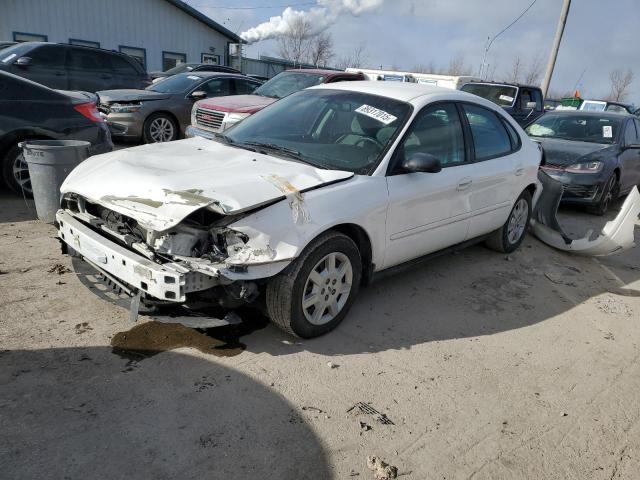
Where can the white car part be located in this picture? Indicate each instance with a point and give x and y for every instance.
(616, 235)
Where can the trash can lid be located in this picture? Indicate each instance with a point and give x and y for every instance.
(53, 144)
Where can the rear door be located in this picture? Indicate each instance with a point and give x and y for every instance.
(47, 66)
(429, 211)
(125, 73)
(245, 86)
(630, 157)
(89, 70)
(499, 169)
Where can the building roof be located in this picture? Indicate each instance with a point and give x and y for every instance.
(204, 19)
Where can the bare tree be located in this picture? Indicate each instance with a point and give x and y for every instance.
(620, 83)
(321, 49)
(422, 68)
(457, 66)
(354, 59)
(295, 44)
(516, 70)
(534, 70)
(490, 74)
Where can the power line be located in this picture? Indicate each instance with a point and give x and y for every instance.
(224, 7)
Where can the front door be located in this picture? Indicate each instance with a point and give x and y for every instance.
(429, 211)
(47, 67)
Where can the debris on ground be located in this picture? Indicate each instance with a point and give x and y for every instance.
(332, 365)
(367, 409)
(381, 469)
(614, 306)
(59, 269)
(365, 426)
(313, 409)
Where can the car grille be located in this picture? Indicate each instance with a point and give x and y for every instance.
(209, 119)
(580, 191)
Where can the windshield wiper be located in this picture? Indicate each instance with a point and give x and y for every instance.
(275, 148)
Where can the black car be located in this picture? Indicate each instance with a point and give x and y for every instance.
(192, 67)
(32, 111)
(596, 155)
(523, 102)
(73, 67)
(4, 45)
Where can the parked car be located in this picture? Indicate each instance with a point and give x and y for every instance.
(192, 67)
(73, 67)
(523, 102)
(596, 155)
(161, 112)
(551, 103)
(262, 78)
(212, 116)
(29, 110)
(4, 45)
(305, 200)
(605, 106)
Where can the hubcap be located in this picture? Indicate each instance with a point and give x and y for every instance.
(327, 288)
(161, 130)
(517, 221)
(21, 173)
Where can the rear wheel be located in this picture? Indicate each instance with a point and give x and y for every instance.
(313, 295)
(509, 237)
(160, 127)
(608, 195)
(15, 172)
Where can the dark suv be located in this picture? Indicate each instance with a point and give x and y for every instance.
(32, 111)
(73, 67)
(523, 102)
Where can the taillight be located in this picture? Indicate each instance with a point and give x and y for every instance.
(90, 111)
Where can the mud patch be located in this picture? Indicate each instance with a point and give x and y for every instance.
(150, 338)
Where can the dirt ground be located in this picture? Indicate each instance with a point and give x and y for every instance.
(475, 365)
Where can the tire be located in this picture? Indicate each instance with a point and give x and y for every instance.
(608, 194)
(509, 237)
(159, 127)
(16, 173)
(285, 292)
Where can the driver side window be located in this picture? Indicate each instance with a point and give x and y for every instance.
(216, 88)
(437, 130)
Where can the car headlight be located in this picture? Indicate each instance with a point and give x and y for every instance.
(125, 108)
(233, 118)
(586, 167)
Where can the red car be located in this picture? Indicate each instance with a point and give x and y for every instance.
(214, 115)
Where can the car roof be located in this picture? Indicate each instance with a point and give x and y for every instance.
(320, 71)
(37, 44)
(505, 84)
(589, 113)
(208, 74)
(403, 91)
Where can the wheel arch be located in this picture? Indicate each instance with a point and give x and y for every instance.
(362, 240)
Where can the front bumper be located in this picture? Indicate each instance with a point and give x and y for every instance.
(168, 282)
(192, 132)
(126, 125)
(579, 188)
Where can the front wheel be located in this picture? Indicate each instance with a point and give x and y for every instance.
(160, 128)
(608, 194)
(509, 237)
(16, 172)
(313, 295)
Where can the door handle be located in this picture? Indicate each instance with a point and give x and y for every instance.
(464, 184)
(519, 171)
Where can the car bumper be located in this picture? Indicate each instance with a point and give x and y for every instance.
(126, 125)
(192, 132)
(168, 282)
(579, 188)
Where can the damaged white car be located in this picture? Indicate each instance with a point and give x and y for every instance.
(301, 203)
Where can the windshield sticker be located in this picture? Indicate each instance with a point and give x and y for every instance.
(607, 131)
(193, 77)
(506, 98)
(5, 60)
(379, 115)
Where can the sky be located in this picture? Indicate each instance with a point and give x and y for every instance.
(601, 35)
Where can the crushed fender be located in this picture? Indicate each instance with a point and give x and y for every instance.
(294, 196)
(616, 235)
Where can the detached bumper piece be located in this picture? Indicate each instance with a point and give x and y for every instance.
(616, 235)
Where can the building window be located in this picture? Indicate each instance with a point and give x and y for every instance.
(210, 58)
(28, 37)
(140, 54)
(84, 43)
(172, 59)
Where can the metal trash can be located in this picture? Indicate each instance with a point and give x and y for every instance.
(49, 162)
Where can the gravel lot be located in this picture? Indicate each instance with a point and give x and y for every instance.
(478, 365)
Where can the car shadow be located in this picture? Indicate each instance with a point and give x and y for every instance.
(15, 208)
(86, 413)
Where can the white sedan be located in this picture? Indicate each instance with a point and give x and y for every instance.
(305, 201)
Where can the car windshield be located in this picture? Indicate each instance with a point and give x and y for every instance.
(582, 128)
(12, 53)
(332, 129)
(180, 68)
(286, 83)
(176, 84)
(503, 95)
(591, 106)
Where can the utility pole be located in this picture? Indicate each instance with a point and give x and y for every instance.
(556, 46)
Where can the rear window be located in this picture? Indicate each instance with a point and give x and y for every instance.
(11, 54)
(176, 83)
(490, 137)
(286, 83)
(503, 95)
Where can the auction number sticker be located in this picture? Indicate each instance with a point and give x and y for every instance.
(506, 98)
(379, 115)
(607, 131)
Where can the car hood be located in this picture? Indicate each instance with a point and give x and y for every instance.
(237, 103)
(130, 95)
(567, 152)
(160, 184)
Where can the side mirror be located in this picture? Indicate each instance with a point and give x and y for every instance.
(24, 62)
(531, 105)
(198, 95)
(421, 162)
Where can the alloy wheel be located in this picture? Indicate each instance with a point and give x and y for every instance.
(21, 173)
(518, 221)
(161, 130)
(327, 288)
